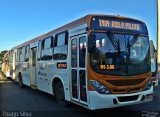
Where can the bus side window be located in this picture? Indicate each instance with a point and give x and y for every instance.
(47, 50)
(11, 57)
(82, 51)
(74, 52)
(22, 54)
(27, 53)
(17, 55)
(39, 50)
(60, 46)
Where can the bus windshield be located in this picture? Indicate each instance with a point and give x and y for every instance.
(120, 54)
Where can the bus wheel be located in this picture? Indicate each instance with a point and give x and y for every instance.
(20, 80)
(59, 94)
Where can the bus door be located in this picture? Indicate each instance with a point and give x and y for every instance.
(78, 68)
(33, 56)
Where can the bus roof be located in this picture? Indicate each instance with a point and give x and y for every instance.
(86, 19)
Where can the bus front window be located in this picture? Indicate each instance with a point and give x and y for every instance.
(120, 54)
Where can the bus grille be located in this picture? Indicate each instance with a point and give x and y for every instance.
(125, 82)
(123, 91)
(127, 98)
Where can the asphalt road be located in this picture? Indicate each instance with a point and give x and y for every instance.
(26, 102)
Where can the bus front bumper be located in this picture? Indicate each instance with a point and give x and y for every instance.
(101, 101)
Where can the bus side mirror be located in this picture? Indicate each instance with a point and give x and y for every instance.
(92, 43)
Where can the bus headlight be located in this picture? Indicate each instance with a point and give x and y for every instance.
(99, 87)
(148, 85)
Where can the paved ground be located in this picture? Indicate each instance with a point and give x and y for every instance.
(26, 102)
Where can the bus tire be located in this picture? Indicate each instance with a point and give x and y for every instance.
(59, 94)
(20, 80)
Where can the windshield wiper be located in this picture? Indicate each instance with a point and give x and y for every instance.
(112, 40)
(132, 42)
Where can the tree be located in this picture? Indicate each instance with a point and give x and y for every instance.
(1, 55)
(4, 52)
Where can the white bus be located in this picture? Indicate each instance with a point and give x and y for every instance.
(97, 61)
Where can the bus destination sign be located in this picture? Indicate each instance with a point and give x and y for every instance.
(118, 24)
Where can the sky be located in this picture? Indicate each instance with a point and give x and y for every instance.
(22, 20)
